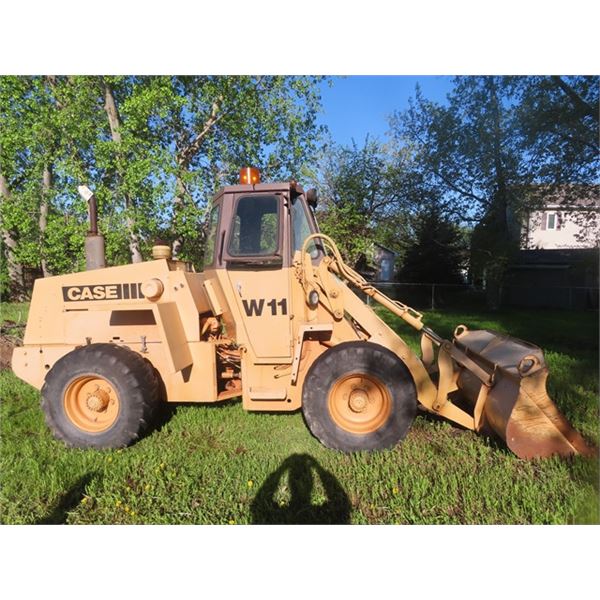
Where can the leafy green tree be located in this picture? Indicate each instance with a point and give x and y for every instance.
(218, 124)
(470, 151)
(28, 144)
(154, 149)
(438, 253)
(362, 200)
(558, 119)
(495, 138)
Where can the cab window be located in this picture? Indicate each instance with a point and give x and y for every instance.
(255, 230)
(301, 228)
(300, 224)
(211, 238)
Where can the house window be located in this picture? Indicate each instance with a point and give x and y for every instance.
(551, 224)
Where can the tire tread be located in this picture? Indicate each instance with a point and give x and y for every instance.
(134, 373)
(344, 358)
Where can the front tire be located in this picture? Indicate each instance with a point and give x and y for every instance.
(100, 396)
(359, 396)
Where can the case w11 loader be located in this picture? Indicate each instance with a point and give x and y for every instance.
(273, 317)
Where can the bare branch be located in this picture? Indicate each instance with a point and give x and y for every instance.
(216, 115)
(186, 155)
(576, 99)
(449, 183)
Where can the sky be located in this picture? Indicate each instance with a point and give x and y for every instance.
(355, 106)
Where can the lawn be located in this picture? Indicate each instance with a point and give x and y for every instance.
(220, 465)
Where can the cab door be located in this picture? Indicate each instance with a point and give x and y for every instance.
(258, 268)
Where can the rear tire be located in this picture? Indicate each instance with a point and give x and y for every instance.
(100, 396)
(359, 396)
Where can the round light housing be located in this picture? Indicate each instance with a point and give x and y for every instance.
(313, 297)
(153, 289)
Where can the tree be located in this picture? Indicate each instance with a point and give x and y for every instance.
(214, 125)
(362, 201)
(491, 142)
(467, 150)
(438, 251)
(27, 156)
(154, 149)
(49, 139)
(558, 118)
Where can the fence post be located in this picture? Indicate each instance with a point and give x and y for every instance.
(570, 298)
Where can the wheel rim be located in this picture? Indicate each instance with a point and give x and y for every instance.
(359, 403)
(91, 403)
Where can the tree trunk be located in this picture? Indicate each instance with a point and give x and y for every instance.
(500, 207)
(493, 288)
(110, 107)
(134, 241)
(185, 155)
(114, 122)
(43, 218)
(14, 267)
(501, 201)
(178, 204)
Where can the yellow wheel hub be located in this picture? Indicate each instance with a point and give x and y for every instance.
(91, 403)
(359, 403)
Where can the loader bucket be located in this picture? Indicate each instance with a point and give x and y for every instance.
(517, 408)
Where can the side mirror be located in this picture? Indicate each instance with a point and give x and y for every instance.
(312, 198)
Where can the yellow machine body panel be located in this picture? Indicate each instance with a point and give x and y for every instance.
(109, 306)
(261, 302)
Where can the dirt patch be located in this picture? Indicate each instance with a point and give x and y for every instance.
(7, 344)
(6, 349)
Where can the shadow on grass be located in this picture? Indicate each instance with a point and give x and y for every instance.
(163, 415)
(68, 501)
(300, 510)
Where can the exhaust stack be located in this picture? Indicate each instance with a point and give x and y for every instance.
(94, 241)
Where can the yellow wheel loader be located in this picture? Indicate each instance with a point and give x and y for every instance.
(275, 317)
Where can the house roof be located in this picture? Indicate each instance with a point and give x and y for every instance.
(384, 248)
(563, 196)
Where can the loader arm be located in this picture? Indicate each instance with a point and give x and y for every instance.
(434, 398)
(502, 378)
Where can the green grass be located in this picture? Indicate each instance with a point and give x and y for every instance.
(15, 312)
(220, 465)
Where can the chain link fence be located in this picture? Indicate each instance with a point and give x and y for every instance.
(440, 296)
(567, 297)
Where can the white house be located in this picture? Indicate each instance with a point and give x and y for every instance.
(557, 265)
(569, 219)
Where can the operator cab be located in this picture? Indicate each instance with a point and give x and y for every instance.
(259, 225)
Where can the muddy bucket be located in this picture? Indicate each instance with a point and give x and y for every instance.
(517, 408)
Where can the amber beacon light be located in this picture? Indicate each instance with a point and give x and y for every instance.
(249, 175)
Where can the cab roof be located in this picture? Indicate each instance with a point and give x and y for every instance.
(285, 186)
